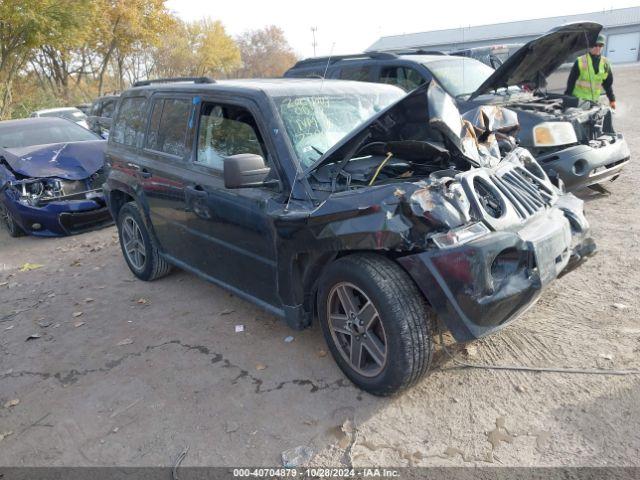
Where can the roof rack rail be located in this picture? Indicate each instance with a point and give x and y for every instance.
(419, 51)
(335, 58)
(142, 83)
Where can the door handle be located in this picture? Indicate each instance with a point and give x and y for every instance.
(144, 173)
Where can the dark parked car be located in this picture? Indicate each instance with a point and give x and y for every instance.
(573, 140)
(350, 202)
(51, 175)
(101, 113)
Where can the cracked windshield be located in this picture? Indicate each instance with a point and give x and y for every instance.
(315, 123)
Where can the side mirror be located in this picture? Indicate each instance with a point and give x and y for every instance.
(244, 170)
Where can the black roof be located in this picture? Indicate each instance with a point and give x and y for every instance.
(390, 55)
(268, 86)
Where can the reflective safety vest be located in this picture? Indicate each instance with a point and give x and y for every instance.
(589, 83)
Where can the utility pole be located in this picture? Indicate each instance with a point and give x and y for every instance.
(314, 44)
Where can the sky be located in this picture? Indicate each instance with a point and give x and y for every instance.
(344, 26)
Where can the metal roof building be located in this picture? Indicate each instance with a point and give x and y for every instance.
(622, 27)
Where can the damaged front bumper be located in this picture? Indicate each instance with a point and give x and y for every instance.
(56, 218)
(583, 165)
(483, 285)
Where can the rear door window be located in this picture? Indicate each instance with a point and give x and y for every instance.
(129, 127)
(360, 73)
(168, 126)
(403, 77)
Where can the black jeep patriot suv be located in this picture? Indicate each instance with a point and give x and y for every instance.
(349, 202)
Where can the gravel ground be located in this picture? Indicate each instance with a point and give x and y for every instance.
(130, 373)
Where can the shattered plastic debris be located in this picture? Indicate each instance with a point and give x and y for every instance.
(77, 314)
(260, 366)
(2, 284)
(88, 300)
(288, 339)
(619, 306)
(30, 266)
(126, 341)
(322, 353)
(297, 457)
(4, 435)
(12, 403)
(143, 301)
(226, 312)
(33, 336)
(239, 328)
(9, 327)
(606, 356)
(78, 324)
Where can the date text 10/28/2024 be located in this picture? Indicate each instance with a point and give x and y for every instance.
(316, 472)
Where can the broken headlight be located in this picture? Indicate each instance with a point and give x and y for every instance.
(32, 190)
(552, 134)
(461, 235)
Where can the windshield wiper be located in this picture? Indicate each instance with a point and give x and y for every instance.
(317, 150)
(349, 155)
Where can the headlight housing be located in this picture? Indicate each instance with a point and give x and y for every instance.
(552, 134)
(461, 235)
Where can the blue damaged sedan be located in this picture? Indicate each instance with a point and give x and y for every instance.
(51, 175)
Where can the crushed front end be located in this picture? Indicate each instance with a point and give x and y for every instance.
(54, 190)
(521, 233)
(474, 219)
(51, 207)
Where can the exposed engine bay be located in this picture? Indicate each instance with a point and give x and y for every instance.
(403, 146)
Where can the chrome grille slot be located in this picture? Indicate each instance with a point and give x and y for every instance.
(527, 193)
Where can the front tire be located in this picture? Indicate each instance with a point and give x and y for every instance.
(138, 248)
(9, 222)
(376, 323)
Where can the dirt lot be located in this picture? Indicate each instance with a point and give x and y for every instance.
(130, 373)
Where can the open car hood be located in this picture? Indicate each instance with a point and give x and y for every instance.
(69, 161)
(536, 60)
(423, 125)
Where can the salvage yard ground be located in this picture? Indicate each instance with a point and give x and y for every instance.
(130, 373)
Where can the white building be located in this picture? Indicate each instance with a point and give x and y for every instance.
(621, 26)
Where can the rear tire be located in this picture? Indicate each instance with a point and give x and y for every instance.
(387, 323)
(138, 248)
(9, 223)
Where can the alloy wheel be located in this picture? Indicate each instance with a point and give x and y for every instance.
(133, 243)
(357, 329)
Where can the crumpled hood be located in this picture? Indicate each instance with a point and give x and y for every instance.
(69, 161)
(428, 111)
(540, 57)
(426, 124)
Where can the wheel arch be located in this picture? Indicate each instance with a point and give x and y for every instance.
(309, 268)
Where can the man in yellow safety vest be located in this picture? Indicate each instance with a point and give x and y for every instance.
(590, 74)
